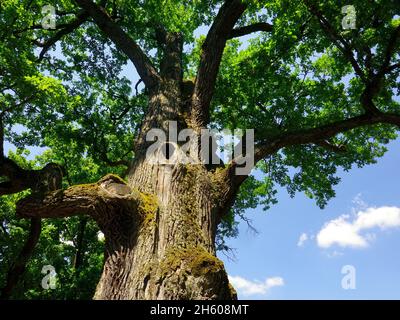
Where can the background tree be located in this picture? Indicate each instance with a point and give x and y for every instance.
(319, 97)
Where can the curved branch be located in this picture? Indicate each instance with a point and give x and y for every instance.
(50, 172)
(315, 135)
(338, 40)
(210, 59)
(123, 41)
(256, 27)
(18, 179)
(229, 183)
(68, 28)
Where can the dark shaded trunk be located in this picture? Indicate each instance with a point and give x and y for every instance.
(18, 268)
(78, 259)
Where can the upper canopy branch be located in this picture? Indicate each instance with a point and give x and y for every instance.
(339, 41)
(210, 59)
(229, 183)
(255, 27)
(81, 17)
(123, 41)
(374, 84)
(372, 80)
(317, 134)
(389, 52)
(321, 135)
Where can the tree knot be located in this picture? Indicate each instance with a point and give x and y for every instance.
(115, 186)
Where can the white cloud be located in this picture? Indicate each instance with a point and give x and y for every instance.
(248, 288)
(384, 218)
(348, 233)
(341, 232)
(303, 238)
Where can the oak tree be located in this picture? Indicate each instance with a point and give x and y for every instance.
(320, 96)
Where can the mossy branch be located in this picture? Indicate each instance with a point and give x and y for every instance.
(110, 191)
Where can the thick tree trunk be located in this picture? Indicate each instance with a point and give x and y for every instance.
(166, 251)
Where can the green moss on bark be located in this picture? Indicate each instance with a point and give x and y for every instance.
(196, 261)
(148, 206)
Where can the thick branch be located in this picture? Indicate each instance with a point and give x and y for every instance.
(171, 64)
(123, 41)
(256, 27)
(77, 200)
(229, 183)
(210, 59)
(19, 179)
(58, 204)
(315, 135)
(171, 44)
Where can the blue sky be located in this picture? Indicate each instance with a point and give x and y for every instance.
(314, 272)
